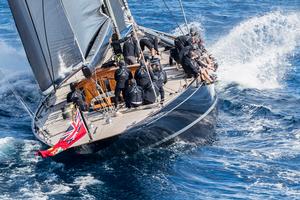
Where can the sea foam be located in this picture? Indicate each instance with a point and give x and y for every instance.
(255, 53)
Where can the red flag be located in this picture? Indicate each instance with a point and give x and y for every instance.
(75, 132)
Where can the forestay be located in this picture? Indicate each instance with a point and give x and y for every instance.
(59, 34)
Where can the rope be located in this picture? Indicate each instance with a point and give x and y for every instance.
(134, 27)
(143, 58)
(173, 16)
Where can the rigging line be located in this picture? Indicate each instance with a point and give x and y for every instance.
(134, 30)
(39, 41)
(173, 16)
(46, 37)
(184, 16)
(99, 87)
(143, 58)
(18, 97)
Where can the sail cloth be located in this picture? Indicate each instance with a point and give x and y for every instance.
(119, 12)
(85, 18)
(58, 34)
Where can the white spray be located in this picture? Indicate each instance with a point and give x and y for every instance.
(254, 53)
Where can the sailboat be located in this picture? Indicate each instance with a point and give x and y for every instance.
(62, 36)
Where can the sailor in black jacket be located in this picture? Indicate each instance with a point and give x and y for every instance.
(142, 77)
(151, 44)
(122, 77)
(131, 50)
(160, 78)
(135, 94)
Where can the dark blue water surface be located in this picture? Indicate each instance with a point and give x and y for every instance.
(257, 152)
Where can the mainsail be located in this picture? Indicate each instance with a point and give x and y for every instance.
(57, 35)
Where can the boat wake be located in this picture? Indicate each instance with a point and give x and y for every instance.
(255, 53)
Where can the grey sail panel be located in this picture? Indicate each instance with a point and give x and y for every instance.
(119, 13)
(47, 38)
(101, 45)
(86, 19)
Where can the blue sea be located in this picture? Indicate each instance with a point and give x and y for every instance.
(256, 154)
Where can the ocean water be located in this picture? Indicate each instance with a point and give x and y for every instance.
(257, 151)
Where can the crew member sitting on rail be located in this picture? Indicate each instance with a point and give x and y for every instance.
(198, 47)
(185, 42)
(122, 77)
(196, 40)
(135, 94)
(160, 77)
(76, 97)
(189, 68)
(131, 50)
(202, 68)
(151, 44)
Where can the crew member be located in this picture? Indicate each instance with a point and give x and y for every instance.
(142, 77)
(145, 80)
(131, 50)
(135, 94)
(122, 77)
(76, 97)
(187, 64)
(151, 44)
(160, 78)
(200, 67)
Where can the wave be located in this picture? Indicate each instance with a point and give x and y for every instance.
(255, 53)
(12, 58)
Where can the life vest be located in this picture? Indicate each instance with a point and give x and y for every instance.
(160, 78)
(122, 77)
(142, 77)
(135, 95)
